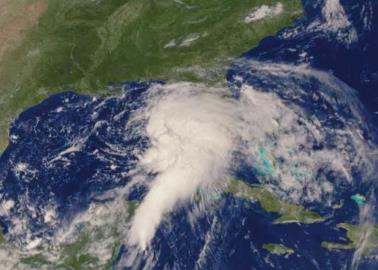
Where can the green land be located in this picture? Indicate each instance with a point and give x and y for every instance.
(288, 212)
(278, 249)
(72, 257)
(85, 45)
(77, 255)
(357, 235)
(2, 239)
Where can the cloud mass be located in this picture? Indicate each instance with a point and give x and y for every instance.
(192, 133)
(196, 131)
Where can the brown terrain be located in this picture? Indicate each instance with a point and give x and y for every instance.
(17, 16)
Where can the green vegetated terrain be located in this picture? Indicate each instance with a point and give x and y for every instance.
(2, 240)
(278, 249)
(79, 253)
(73, 256)
(85, 45)
(288, 212)
(365, 236)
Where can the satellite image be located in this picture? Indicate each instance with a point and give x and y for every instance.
(188, 134)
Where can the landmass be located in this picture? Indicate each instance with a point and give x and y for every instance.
(278, 249)
(35, 260)
(131, 208)
(288, 212)
(78, 254)
(87, 45)
(16, 17)
(2, 239)
(365, 236)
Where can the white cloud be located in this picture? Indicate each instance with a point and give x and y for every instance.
(195, 131)
(337, 21)
(192, 131)
(263, 12)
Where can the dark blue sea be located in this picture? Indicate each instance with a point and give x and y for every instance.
(238, 228)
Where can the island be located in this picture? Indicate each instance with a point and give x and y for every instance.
(365, 236)
(278, 249)
(289, 212)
